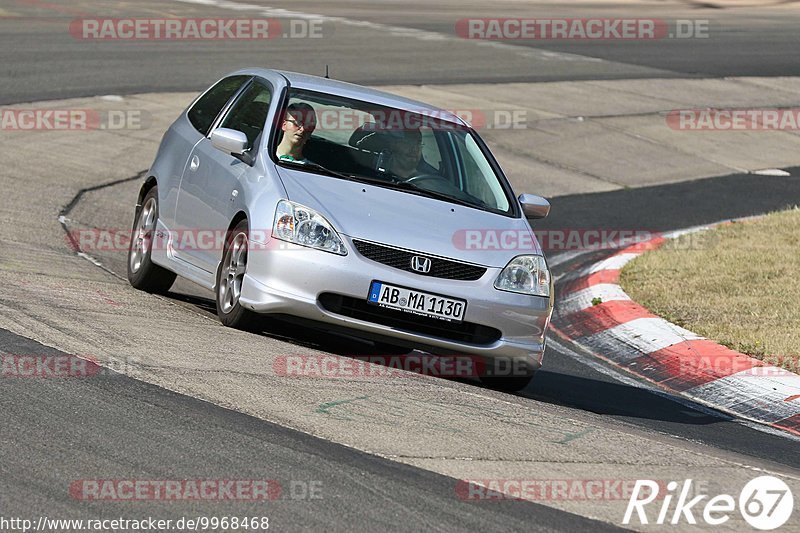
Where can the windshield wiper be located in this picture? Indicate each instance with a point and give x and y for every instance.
(319, 168)
(406, 186)
(325, 170)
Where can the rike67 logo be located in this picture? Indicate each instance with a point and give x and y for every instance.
(766, 503)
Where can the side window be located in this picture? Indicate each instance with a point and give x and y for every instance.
(206, 109)
(249, 113)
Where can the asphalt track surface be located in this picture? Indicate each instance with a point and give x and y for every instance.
(59, 431)
(121, 424)
(41, 59)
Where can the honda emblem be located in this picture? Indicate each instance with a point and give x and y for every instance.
(421, 264)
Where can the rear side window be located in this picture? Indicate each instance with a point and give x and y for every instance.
(206, 109)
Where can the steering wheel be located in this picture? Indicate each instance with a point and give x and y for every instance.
(437, 183)
(427, 177)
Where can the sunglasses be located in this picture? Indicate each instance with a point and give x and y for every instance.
(299, 125)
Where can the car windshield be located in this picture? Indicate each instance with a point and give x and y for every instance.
(410, 151)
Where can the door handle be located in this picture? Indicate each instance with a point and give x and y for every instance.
(194, 164)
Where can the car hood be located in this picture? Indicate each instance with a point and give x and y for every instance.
(413, 222)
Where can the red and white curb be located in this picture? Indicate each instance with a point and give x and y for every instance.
(594, 312)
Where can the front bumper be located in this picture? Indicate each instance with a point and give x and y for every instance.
(293, 280)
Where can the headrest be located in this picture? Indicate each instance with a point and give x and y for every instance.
(370, 137)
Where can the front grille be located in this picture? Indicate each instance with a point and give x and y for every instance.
(440, 268)
(465, 332)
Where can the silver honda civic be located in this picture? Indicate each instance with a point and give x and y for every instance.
(350, 209)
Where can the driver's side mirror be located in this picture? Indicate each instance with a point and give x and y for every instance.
(229, 141)
(534, 206)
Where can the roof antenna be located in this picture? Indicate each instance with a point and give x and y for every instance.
(326, 73)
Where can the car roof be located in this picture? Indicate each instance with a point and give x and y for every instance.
(358, 92)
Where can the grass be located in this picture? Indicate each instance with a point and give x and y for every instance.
(738, 284)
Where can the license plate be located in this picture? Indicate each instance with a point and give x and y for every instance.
(416, 302)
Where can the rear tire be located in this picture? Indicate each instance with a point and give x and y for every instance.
(143, 274)
(230, 277)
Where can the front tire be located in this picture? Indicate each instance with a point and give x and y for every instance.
(143, 274)
(230, 277)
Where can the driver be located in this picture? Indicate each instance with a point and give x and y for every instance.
(407, 161)
(299, 123)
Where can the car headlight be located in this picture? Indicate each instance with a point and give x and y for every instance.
(527, 274)
(300, 225)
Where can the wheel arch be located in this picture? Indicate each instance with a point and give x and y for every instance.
(238, 217)
(148, 184)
